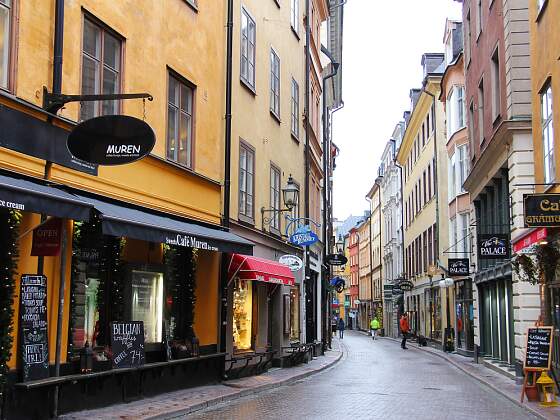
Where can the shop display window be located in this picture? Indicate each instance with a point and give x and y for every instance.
(242, 314)
(147, 303)
(294, 314)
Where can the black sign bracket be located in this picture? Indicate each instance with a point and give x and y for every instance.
(53, 102)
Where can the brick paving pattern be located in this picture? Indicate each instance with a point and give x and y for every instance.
(376, 380)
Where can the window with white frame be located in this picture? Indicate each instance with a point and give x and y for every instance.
(274, 83)
(547, 134)
(294, 15)
(455, 110)
(248, 40)
(478, 17)
(496, 92)
(454, 246)
(180, 121)
(246, 182)
(462, 166)
(5, 30)
(452, 179)
(275, 197)
(295, 108)
(540, 4)
(465, 233)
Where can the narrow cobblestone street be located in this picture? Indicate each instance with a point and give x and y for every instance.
(376, 380)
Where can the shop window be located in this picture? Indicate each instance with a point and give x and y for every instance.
(180, 122)
(101, 68)
(294, 314)
(5, 30)
(147, 303)
(242, 315)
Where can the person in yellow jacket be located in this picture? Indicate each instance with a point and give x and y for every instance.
(374, 326)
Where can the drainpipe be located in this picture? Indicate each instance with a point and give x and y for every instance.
(227, 179)
(382, 296)
(58, 46)
(307, 274)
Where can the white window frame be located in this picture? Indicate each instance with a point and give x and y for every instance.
(294, 15)
(275, 182)
(247, 49)
(465, 232)
(274, 83)
(6, 7)
(452, 180)
(295, 109)
(547, 131)
(462, 167)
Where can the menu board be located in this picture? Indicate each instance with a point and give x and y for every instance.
(539, 348)
(127, 344)
(33, 324)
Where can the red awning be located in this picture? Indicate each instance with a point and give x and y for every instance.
(258, 269)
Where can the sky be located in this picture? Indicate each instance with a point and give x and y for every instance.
(383, 46)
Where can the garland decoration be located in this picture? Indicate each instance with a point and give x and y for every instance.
(9, 221)
(539, 268)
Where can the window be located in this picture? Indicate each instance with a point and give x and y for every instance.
(294, 15)
(478, 17)
(274, 83)
(424, 190)
(429, 182)
(540, 4)
(467, 46)
(275, 197)
(547, 134)
(242, 314)
(180, 122)
(452, 180)
(5, 30)
(425, 251)
(481, 111)
(463, 167)
(455, 110)
(471, 124)
(495, 85)
(295, 108)
(465, 232)
(461, 106)
(248, 39)
(430, 246)
(454, 247)
(101, 69)
(147, 303)
(246, 182)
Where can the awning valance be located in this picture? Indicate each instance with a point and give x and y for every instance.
(122, 219)
(36, 196)
(258, 269)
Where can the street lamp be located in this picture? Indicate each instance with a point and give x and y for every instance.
(340, 245)
(447, 339)
(290, 194)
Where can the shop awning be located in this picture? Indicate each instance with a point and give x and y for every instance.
(258, 269)
(122, 219)
(36, 196)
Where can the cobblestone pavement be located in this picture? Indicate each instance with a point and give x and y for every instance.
(376, 380)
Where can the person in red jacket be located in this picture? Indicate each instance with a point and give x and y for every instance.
(404, 329)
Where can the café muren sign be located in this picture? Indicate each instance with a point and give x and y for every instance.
(541, 210)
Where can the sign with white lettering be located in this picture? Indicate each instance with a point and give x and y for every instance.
(541, 210)
(304, 236)
(539, 348)
(494, 246)
(189, 241)
(33, 324)
(111, 140)
(336, 259)
(293, 261)
(127, 344)
(458, 266)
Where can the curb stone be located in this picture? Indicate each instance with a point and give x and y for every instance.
(474, 376)
(244, 392)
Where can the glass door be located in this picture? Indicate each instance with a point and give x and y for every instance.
(147, 303)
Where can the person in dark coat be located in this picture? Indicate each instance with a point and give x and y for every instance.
(341, 328)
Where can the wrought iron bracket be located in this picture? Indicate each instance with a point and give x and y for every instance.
(53, 102)
(266, 221)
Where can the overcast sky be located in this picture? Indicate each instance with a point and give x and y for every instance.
(383, 45)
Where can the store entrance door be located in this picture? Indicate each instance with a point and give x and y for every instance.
(310, 309)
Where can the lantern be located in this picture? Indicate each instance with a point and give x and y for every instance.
(547, 388)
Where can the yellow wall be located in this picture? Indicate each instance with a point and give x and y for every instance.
(206, 308)
(545, 44)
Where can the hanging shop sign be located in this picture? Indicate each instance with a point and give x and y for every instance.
(338, 283)
(304, 236)
(494, 246)
(539, 348)
(111, 140)
(458, 266)
(127, 344)
(336, 259)
(526, 244)
(396, 289)
(406, 286)
(33, 324)
(293, 261)
(541, 210)
(46, 238)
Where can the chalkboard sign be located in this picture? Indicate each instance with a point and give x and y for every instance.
(539, 348)
(33, 324)
(127, 344)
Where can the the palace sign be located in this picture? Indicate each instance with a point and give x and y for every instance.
(336, 259)
(493, 246)
(541, 210)
(458, 266)
(111, 140)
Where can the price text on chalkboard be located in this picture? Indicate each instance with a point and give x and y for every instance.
(127, 344)
(33, 324)
(539, 348)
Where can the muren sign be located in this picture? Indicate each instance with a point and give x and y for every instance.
(493, 246)
(111, 140)
(541, 210)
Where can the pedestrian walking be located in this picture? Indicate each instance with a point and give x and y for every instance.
(374, 326)
(404, 330)
(341, 328)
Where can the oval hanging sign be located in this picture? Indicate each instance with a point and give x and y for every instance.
(111, 140)
(304, 236)
(406, 285)
(336, 259)
(293, 261)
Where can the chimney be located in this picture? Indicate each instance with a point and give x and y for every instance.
(431, 61)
